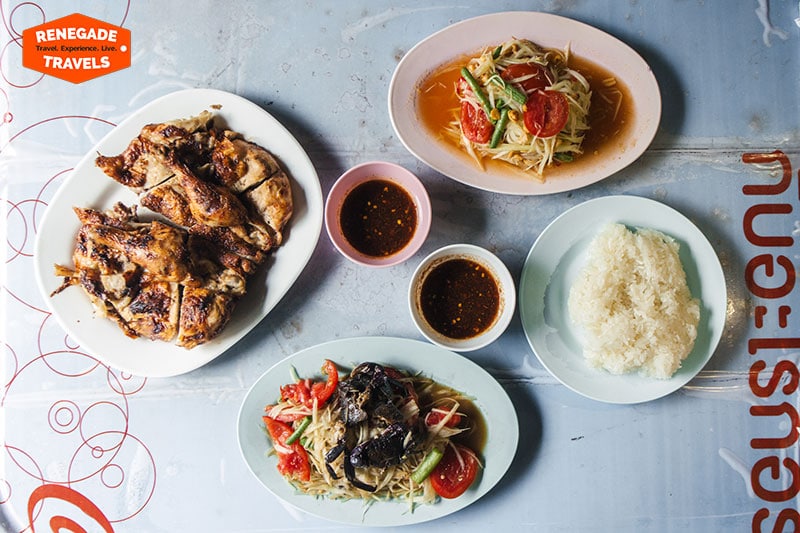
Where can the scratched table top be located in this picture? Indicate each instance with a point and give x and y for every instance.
(126, 453)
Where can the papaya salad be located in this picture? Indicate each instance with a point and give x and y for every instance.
(522, 104)
(375, 434)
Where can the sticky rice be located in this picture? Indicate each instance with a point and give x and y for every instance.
(632, 304)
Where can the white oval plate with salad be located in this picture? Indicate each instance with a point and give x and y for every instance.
(553, 264)
(447, 368)
(468, 38)
(88, 186)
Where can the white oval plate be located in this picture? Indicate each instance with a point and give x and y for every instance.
(446, 367)
(88, 186)
(552, 266)
(551, 31)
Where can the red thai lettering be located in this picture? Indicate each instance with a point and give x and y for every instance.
(773, 343)
(784, 517)
(781, 368)
(765, 209)
(767, 261)
(777, 410)
(773, 189)
(773, 465)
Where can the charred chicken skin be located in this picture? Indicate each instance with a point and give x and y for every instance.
(222, 204)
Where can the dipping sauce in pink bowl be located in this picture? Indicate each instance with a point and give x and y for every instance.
(378, 214)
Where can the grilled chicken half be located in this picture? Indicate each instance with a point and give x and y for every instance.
(146, 277)
(195, 173)
(225, 203)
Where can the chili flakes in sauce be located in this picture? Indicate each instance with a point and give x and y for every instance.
(460, 298)
(378, 217)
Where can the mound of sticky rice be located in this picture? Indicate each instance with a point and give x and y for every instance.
(632, 303)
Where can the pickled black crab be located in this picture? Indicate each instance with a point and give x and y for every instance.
(374, 402)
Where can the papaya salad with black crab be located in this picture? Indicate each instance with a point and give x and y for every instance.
(375, 434)
(522, 104)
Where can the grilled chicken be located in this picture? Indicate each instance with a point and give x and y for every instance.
(240, 164)
(190, 167)
(144, 163)
(171, 200)
(232, 251)
(226, 202)
(113, 258)
(153, 279)
(204, 313)
(158, 248)
(273, 200)
(153, 313)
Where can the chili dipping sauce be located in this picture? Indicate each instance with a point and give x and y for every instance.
(378, 217)
(459, 298)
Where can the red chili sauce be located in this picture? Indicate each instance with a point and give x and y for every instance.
(460, 298)
(378, 217)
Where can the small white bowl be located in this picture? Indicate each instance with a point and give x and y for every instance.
(505, 285)
(366, 172)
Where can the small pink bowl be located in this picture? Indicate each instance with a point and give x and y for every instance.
(366, 172)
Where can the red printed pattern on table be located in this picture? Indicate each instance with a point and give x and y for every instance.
(772, 265)
(66, 494)
(97, 458)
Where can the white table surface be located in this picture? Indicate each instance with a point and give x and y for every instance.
(728, 74)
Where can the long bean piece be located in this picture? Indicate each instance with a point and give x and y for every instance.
(427, 465)
(299, 431)
(499, 128)
(478, 90)
(511, 91)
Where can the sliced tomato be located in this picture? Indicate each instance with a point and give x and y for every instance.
(287, 417)
(323, 391)
(292, 458)
(452, 477)
(298, 393)
(434, 417)
(463, 88)
(304, 392)
(546, 113)
(475, 124)
(530, 76)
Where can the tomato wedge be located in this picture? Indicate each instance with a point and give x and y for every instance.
(434, 417)
(292, 458)
(298, 393)
(452, 477)
(304, 392)
(287, 417)
(530, 76)
(475, 124)
(323, 391)
(546, 113)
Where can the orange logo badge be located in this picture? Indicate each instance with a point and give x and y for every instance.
(76, 48)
